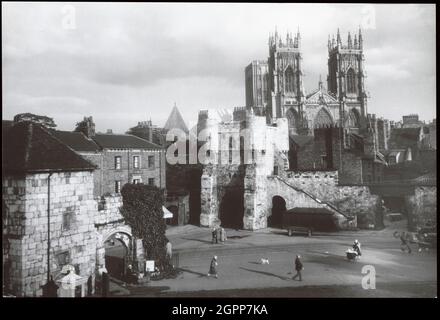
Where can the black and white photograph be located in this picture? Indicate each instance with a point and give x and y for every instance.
(218, 150)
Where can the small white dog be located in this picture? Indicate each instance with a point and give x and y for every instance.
(264, 261)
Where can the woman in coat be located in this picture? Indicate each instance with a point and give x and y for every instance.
(213, 267)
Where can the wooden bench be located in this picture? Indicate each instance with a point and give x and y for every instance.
(304, 230)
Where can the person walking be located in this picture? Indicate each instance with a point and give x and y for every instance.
(298, 267)
(169, 250)
(404, 243)
(222, 235)
(213, 268)
(214, 235)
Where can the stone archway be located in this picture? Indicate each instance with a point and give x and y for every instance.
(231, 211)
(278, 207)
(118, 250)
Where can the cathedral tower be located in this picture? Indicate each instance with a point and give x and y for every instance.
(285, 76)
(346, 79)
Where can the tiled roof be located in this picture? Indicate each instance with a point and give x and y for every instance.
(77, 141)
(301, 140)
(28, 147)
(123, 141)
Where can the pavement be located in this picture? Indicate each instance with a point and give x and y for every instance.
(327, 272)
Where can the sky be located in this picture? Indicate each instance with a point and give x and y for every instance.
(127, 62)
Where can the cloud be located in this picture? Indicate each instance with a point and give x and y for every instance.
(134, 60)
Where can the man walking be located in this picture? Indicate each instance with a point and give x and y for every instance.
(298, 267)
(213, 268)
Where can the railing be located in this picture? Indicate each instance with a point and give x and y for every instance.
(314, 198)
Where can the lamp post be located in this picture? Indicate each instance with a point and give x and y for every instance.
(50, 288)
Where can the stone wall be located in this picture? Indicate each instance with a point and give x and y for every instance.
(72, 231)
(109, 221)
(353, 200)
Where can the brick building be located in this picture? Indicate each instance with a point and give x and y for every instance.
(120, 158)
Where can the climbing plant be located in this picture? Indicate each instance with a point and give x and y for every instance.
(142, 210)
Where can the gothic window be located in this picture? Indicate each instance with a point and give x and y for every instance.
(351, 81)
(353, 119)
(230, 149)
(292, 118)
(323, 118)
(289, 80)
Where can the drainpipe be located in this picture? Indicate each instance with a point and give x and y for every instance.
(50, 288)
(48, 227)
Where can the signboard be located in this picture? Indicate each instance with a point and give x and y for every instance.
(149, 265)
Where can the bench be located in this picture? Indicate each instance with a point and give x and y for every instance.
(304, 230)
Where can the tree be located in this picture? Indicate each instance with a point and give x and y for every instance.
(142, 210)
(42, 120)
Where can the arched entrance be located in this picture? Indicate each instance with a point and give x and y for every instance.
(117, 254)
(278, 207)
(232, 208)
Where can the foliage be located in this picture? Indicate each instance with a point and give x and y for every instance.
(142, 210)
(42, 120)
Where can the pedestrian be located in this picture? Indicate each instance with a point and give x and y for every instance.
(404, 243)
(357, 247)
(214, 235)
(298, 267)
(169, 250)
(213, 268)
(223, 237)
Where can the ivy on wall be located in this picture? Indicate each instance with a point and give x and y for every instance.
(142, 211)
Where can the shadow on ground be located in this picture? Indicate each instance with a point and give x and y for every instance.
(265, 273)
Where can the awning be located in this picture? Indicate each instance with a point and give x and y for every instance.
(166, 213)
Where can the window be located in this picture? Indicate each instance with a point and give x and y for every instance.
(117, 186)
(151, 181)
(351, 81)
(230, 149)
(67, 220)
(275, 170)
(136, 163)
(62, 258)
(118, 162)
(151, 162)
(136, 181)
(289, 81)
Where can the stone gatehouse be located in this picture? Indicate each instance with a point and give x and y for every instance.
(245, 195)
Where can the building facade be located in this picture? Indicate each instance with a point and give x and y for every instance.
(120, 158)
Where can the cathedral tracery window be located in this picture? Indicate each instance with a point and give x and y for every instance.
(323, 118)
(353, 119)
(351, 81)
(289, 80)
